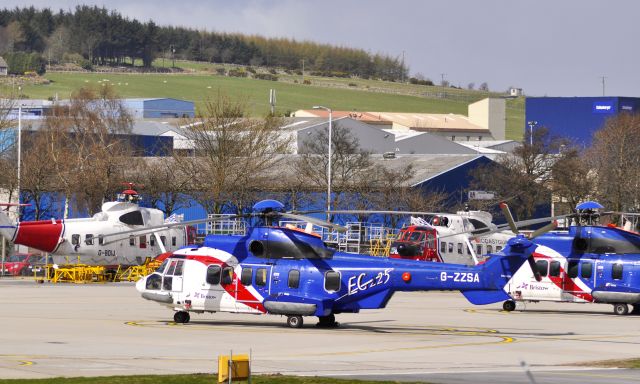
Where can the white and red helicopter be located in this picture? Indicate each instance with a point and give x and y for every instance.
(83, 240)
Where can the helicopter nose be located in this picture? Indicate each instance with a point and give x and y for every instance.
(140, 284)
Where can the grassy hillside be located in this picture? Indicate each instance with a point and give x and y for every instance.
(199, 83)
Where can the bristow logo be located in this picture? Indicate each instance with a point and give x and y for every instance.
(603, 107)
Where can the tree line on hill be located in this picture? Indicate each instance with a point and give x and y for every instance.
(97, 36)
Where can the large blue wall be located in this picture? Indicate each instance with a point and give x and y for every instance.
(168, 108)
(576, 118)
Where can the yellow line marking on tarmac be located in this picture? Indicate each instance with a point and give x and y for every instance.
(25, 363)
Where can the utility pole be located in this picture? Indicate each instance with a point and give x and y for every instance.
(402, 67)
(302, 82)
(442, 75)
(603, 77)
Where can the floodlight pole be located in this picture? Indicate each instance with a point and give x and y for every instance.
(531, 125)
(329, 165)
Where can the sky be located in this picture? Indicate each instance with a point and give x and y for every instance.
(545, 47)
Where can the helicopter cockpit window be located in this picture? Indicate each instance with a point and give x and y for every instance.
(213, 274)
(132, 218)
(332, 281)
(154, 282)
(162, 266)
(602, 245)
(541, 267)
(415, 236)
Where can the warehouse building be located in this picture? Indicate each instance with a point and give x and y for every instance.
(576, 118)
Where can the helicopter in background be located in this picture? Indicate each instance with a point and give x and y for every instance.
(82, 240)
(282, 271)
(586, 263)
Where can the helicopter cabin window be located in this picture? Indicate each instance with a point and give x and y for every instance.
(227, 275)
(573, 269)
(479, 249)
(173, 241)
(294, 278)
(143, 241)
(132, 241)
(152, 241)
(154, 282)
(554, 268)
(616, 271)
(489, 248)
(88, 239)
(443, 247)
(163, 240)
(587, 270)
(132, 218)
(100, 240)
(460, 248)
(213, 274)
(75, 239)
(332, 281)
(450, 247)
(498, 248)
(468, 250)
(246, 276)
(261, 277)
(542, 266)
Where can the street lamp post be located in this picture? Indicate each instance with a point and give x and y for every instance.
(19, 146)
(329, 165)
(531, 125)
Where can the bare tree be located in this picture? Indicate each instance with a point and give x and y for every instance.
(614, 157)
(523, 177)
(88, 145)
(234, 155)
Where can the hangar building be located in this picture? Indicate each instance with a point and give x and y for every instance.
(576, 118)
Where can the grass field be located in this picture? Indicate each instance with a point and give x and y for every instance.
(191, 379)
(200, 84)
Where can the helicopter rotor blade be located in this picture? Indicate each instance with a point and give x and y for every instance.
(312, 220)
(549, 227)
(507, 214)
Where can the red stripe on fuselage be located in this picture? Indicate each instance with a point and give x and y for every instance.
(238, 290)
(570, 286)
(43, 235)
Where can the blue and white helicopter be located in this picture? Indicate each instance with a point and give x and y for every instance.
(283, 271)
(585, 263)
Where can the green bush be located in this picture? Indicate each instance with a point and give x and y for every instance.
(21, 62)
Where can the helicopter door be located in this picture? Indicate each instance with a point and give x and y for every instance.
(253, 278)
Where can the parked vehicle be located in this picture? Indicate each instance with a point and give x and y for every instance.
(22, 264)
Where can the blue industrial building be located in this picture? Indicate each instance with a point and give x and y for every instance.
(576, 118)
(160, 108)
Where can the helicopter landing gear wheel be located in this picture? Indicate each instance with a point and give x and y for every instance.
(328, 321)
(620, 308)
(509, 305)
(295, 321)
(181, 317)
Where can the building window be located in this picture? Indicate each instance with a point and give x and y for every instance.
(332, 281)
(294, 278)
